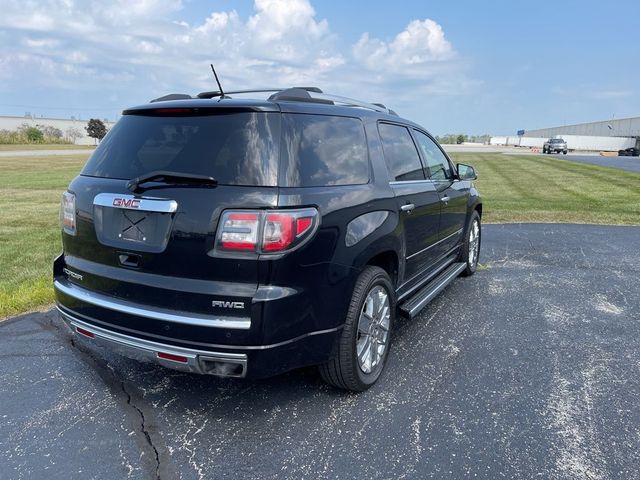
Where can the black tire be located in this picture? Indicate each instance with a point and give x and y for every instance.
(544, 150)
(343, 370)
(471, 266)
(564, 153)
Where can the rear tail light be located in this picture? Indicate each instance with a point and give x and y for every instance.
(240, 231)
(68, 213)
(265, 232)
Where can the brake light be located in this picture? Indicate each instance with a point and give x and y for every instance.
(68, 213)
(302, 225)
(273, 231)
(278, 232)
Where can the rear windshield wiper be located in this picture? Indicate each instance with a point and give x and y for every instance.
(172, 179)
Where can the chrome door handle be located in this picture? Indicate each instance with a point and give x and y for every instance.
(408, 207)
(445, 199)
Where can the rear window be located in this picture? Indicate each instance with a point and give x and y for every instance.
(321, 150)
(239, 148)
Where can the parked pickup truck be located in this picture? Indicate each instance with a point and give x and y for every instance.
(555, 145)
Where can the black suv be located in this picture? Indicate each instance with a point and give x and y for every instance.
(245, 238)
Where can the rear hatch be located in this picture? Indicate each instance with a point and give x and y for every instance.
(154, 243)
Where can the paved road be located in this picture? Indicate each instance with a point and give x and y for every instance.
(631, 164)
(530, 368)
(45, 153)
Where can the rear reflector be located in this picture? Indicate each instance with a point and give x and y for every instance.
(173, 358)
(84, 332)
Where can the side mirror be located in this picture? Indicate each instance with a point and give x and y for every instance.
(466, 172)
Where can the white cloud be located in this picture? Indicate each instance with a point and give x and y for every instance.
(419, 45)
(139, 50)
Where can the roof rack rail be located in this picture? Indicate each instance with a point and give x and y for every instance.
(351, 102)
(216, 93)
(299, 94)
(172, 96)
(312, 94)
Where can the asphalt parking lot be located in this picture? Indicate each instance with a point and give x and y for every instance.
(631, 164)
(530, 368)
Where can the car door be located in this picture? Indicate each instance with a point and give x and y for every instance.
(417, 200)
(452, 192)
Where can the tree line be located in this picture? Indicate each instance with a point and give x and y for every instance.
(459, 138)
(27, 134)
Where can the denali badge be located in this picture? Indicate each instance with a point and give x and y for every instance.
(224, 304)
(71, 274)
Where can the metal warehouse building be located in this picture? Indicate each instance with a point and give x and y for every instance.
(608, 135)
(624, 127)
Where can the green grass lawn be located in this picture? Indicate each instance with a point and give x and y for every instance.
(30, 189)
(515, 188)
(519, 188)
(8, 147)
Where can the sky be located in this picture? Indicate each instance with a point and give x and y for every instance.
(453, 66)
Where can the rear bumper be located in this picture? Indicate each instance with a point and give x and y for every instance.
(280, 329)
(242, 361)
(178, 358)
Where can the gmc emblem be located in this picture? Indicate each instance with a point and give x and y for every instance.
(126, 202)
(225, 304)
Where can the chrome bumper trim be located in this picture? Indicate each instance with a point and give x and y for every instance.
(147, 351)
(111, 303)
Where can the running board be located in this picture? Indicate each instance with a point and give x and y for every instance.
(411, 307)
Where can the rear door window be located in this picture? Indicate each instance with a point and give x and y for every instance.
(323, 150)
(400, 153)
(239, 148)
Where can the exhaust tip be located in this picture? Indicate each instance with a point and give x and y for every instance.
(223, 367)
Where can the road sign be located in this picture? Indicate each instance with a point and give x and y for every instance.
(520, 133)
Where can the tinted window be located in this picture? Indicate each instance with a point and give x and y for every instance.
(400, 153)
(235, 148)
(320, 150)
(437, 164)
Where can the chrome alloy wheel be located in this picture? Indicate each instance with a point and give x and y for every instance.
(373, 329)
(474, 242)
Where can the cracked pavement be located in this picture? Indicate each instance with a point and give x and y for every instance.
(529, 368)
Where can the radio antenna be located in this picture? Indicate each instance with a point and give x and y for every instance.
(217, 81)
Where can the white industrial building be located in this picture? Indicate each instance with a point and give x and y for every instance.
(64, 124)
(607, 135)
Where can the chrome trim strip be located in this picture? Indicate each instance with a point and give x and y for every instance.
(409, 182)
(218, 345)
(145, 204)
(122, 306)
(431, 246)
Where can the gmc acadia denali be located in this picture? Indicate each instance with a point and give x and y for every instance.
(245, 238)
